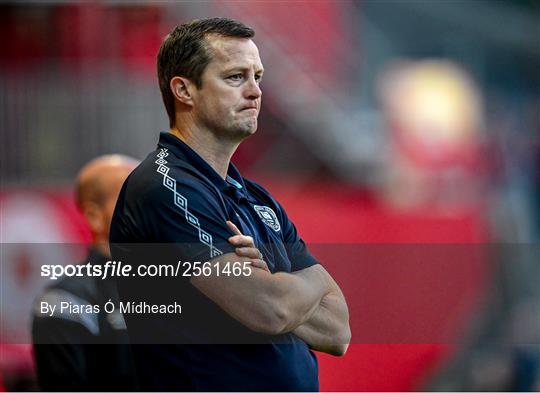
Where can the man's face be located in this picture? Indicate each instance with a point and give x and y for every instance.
(229, 100)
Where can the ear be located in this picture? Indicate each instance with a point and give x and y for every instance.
(94, 216)
(182, 89)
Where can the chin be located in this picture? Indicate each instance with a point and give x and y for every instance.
(246, 130)
(250, 132)
(239, 131)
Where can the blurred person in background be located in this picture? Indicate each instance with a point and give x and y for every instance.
(187, 193)
(87, 351)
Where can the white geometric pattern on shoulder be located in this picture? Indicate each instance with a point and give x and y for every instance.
(181, 202)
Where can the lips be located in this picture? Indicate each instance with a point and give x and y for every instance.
(249, 107)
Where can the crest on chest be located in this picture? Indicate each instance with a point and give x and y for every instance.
(268, 216)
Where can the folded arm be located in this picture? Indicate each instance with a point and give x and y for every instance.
(327, 330)
(264, 302)
(307, 302)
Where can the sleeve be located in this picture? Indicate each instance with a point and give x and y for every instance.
(297, 250)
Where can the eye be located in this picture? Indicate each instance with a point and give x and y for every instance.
(258, 78)
(235, 77)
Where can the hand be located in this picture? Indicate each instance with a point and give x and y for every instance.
(245, 247)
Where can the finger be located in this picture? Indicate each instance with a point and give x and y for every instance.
(234, 228)
(260, 264)
(239, 239)
(249, 252)
(242, 241)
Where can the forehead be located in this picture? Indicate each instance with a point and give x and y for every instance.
(231, 52)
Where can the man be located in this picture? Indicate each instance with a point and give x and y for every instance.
(86, 351)
(191, 199)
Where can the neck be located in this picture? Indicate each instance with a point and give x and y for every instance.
(215, 151)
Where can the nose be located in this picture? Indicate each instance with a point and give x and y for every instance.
(253, 90)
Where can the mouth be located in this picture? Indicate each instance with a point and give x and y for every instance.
(249, 107)
(250, 111)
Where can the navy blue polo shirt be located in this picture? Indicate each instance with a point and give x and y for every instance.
(174, 197)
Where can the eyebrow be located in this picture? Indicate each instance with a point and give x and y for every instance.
(242, 68)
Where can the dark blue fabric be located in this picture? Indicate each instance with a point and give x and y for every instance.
(174, 196)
